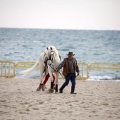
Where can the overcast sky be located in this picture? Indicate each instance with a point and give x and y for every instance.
(61, 14)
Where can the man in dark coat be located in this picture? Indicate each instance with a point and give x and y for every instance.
(70, 68)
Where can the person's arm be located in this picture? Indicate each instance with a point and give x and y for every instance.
(77, 68)
(61, 65)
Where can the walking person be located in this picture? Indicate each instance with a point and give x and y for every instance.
(70, 68)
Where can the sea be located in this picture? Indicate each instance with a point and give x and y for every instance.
(89, 46)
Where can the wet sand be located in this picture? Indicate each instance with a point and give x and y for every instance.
(95, 100)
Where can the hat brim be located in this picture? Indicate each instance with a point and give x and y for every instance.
(71, 54)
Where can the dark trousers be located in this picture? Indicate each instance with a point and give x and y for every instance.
(70, 76)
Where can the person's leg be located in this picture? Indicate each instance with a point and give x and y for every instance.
(73, 81)
(67, 78)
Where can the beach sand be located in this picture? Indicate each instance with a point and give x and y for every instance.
(95, 100)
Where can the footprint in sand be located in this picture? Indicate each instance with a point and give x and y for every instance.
(27, 110)
(3, 112)
(115, 106)
(22, 112)
(41, 102)
(5, 105)
(106, 104)
(93, 111)
(35, 108)
(2, 100)
(53, 108)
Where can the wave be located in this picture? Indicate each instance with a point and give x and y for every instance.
(8, 54)
(35, 75)
(103, 78)
(36, 41)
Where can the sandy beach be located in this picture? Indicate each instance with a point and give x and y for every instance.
(95, 100)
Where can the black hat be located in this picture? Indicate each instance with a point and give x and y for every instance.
(71, 53)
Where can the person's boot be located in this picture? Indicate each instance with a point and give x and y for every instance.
(61, 89)
(72, 90)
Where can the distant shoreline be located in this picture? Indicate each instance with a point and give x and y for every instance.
(57, 29)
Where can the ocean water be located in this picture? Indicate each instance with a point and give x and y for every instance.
(89, 46)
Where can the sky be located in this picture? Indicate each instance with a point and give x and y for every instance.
(61, 14)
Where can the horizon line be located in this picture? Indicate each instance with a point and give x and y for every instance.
(59, 28)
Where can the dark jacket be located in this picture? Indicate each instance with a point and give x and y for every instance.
(66, 66)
